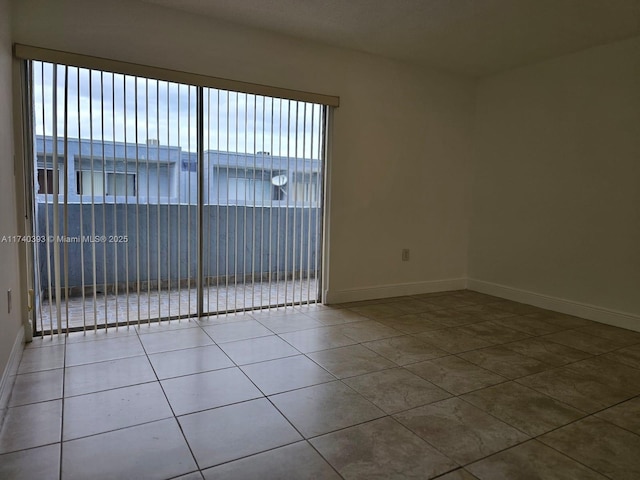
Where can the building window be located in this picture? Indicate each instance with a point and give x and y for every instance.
(121, 184)
(248, 190)
(94, 183)
(45, 180)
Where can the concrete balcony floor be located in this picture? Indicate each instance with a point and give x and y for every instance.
(152, 304)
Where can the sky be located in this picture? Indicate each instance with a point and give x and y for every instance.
(102, 105)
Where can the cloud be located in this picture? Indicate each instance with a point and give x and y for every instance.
(108, 106)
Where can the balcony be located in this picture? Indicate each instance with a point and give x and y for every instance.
(137, 263)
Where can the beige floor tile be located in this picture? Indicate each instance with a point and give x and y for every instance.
(493, 333)
(233, 331)
(625, 415)
(235, 431)
(413, 305)
(405, 349)
(336, 317)
(528, 325)
(381, 449)
(484, 312)
(449, 301)
(396, 389)
(174, 340)
(449, 317)
(582, 341)
(455, 375)
(95, 377)
(515, 308)
(81, 353)
(560, 319)
(113, 409)
(101, 334)
(317, 339)
(31, 426)
(151, 451)
(412, 323)
(460, 474)
(350, 361)
(621, 336)
(505, 362)
(546, 351)
(259, 349)
(379, 310)
(600, 445)
(45, 358)
(297, 461)
(42, 463)
(202, 391)
(610, 371)
(190, 476)
(367, 331)
(579, 388)
(622, 381)
(289, 323)
(523, 408)
(324, 408)
(405, 367)
(461, 431)
(191, 360)
(36, 387)
(285, 374)
(531, 461)
(629, 356)
(452, 340)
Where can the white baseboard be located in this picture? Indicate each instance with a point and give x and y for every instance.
(393, 290)
(584, 310)
(10, 371)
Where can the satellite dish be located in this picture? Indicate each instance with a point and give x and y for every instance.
(279, 180)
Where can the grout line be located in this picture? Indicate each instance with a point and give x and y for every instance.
(28, 448)
(324, 458)
(169, 404)
(134, 425)
(62, 409)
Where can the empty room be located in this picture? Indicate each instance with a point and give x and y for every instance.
(319, 239)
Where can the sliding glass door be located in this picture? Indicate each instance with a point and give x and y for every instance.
(262, 182)
(155, 201)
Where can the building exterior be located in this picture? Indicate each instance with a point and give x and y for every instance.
(260, 214)
(117, 172)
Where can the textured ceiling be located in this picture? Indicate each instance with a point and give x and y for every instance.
(474, 37)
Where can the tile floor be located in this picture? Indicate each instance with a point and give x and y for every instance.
(456, 385)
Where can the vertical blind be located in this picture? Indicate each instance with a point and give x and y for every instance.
(155, 200)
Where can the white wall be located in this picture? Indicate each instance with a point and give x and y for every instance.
(401, 137)
(10, 323)
(555, 165)
(556, 198)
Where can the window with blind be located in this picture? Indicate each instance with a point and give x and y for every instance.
(161, 201)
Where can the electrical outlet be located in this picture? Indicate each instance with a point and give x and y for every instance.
(9, 301)
(405, 254)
